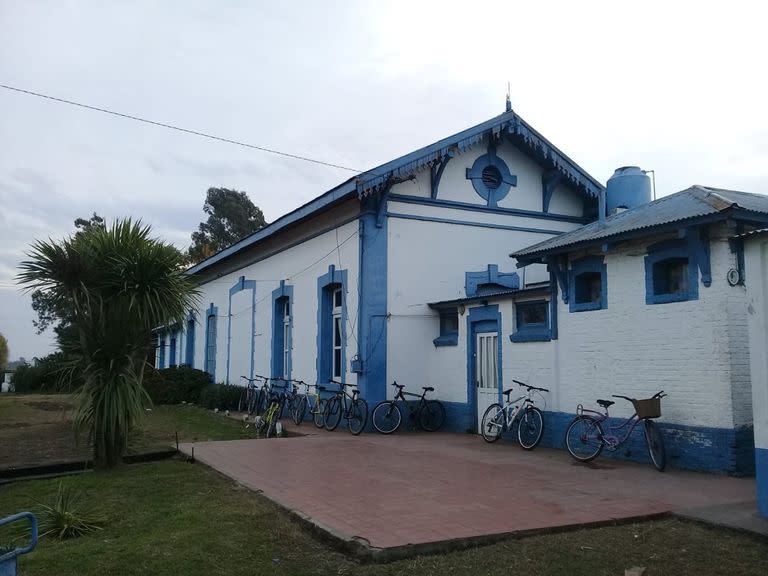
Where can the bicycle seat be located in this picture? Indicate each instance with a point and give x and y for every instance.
(428, 388)
(507, 392)
(396, 385)
(605, 403)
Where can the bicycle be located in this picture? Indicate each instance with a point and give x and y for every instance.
(585, 437)
(250, 398)
(302, 403)
(271, 417)
(337, 406)
(529, 418)
(429, 415)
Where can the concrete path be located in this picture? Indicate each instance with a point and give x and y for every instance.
(415, 489)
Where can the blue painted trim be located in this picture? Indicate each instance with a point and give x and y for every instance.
(212, 312)
(240, 285)
(533, 332)
(436, 172)
(490, 280)
(701, 248)
(279, 296)
(190, 350)
(682, 248)
(371, 365)
(475, 224)
(325, 285)
(447, 340)
(481, 319)
(492, 196)
(761, 480)
(552, 304)
(550, 180)
(448, 337)
(468, 206)
(404, 167)
(588, 264)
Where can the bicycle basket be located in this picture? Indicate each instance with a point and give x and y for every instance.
(650, 408)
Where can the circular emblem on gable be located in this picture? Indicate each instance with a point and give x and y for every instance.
(491, 177)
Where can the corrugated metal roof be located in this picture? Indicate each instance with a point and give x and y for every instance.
(695, 202)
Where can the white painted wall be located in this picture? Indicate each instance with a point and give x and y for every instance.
(694, 350)
(300, 266)
(756, 265)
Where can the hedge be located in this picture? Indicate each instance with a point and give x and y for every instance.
(176, 384)
(221, 396)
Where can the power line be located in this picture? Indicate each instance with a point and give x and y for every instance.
(178, 128)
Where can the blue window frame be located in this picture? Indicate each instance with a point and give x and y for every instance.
(332, 320)
(449, 328)
(173, 349)
(531, 322)
(210, 340)
(161, 363)
(282, 330)
(588, 284)
(190, 351)
(671, 273)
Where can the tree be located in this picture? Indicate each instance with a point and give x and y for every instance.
(3, 353)
(117, 284)
(231, 217)
(56, 314)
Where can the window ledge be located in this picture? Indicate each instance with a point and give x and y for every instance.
(586, 306)
(667, 298)
(447, 340)
(531, 336)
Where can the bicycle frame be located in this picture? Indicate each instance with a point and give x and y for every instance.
(343, 395)
(400, 397)
(511, 411)
(610, 435)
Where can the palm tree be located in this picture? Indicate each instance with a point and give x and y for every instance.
(118, 283)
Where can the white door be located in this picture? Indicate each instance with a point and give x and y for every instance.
(486, 373)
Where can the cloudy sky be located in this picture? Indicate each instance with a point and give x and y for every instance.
(673, 86)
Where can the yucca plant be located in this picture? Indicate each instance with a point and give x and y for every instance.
(118, 284)
(63, 518)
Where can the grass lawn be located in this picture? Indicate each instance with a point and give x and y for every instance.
(36, 429)
(174, 518)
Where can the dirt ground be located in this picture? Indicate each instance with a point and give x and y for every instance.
(37, 429)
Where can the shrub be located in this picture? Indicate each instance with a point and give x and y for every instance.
(49, 375)
(176, 384)
(221, 396)
(63, 519)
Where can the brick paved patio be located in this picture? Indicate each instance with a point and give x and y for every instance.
(394, 491)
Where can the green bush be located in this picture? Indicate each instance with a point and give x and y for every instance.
(176, 384)
(47, 376)
(221, 396)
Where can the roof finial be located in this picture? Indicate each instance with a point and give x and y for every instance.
(509, 100)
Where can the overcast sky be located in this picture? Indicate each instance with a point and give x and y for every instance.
(673, 86)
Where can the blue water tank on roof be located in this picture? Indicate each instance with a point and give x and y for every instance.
(629, 187)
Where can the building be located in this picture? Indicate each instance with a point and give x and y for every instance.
(404, 273)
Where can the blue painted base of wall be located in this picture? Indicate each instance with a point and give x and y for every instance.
(761, 469)
(729, 451)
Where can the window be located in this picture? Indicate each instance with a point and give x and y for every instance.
(532, 322)
(670, 274)
(173, 350)
(449, 328)
(337, 334)
(161, 364)
(190, 354)
(287, 338)
(587, 284)
(210, 341)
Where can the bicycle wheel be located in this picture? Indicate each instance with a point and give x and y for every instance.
(252, 402)
(318, 413)
(432, 416)
(530, 428)
(261, 403)
(655, 442)
(299, 410)
(332, 413)
(358, 416)
(242, 403)
(492, 424)
(584, 438)
(386, 417)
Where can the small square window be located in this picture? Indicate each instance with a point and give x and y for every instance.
(671, 272)
(588, 288)
(532, 320)
(670, 276)
(449, 328)
(587, 284)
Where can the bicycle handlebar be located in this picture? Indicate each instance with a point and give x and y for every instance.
(659, 394)
(529, 387)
